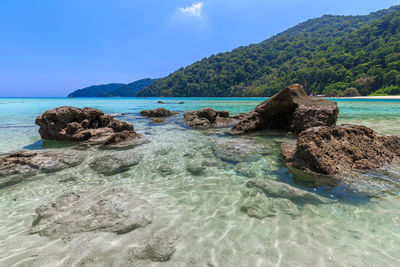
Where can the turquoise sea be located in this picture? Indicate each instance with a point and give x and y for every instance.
(354, 228)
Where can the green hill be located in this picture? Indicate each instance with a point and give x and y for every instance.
(112, 89)
(332, 55)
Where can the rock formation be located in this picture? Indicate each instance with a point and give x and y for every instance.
(342, 148)
(291, 110)
(207, 118)
(157, 115)
(18, 166)
(87, 124)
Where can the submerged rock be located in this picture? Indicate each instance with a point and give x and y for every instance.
(16, 167)
(115, 163)
(95, 224)
(261, 208)
(196, 169)
(238, 150)
(291, 110)
(244, 169)
(207, 118)
(283, 190)
(109, 210)
(87, 124)
(342, 148)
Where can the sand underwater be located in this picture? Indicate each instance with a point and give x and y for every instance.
(202, 213)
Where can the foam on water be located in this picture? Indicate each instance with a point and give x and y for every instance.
(347, 230)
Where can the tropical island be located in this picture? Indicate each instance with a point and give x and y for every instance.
(280, 153)
(331, 56)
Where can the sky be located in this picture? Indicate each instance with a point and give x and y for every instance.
(52, 47)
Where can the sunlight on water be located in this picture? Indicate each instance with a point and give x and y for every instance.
(214, 230)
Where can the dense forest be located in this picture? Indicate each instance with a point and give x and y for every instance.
(112, 89)
(331, 55)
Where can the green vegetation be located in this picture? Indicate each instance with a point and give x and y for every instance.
(331, 55)
(112, 89)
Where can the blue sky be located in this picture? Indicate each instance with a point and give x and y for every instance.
(52, 47)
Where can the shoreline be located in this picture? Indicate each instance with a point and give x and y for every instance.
(367, 97)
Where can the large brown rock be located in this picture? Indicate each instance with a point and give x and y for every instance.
(207, 118)
(291, 110)
(87, 124)
(157, 113)
(342, 148)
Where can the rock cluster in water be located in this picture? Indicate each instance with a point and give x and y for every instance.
(157, 115)
(291, 110)
(342, 148)
(18, 166)
(113, 210)
(87, 124)
(207, 118)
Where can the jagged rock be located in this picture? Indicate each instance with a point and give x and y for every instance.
(207, 118)
(157, 113)
(238, 150)
(240, 116)
(261, 208)
(17, 166)
(291, 110)
(115, 163)
(282, 190)
(87, 124)
(342, 148)
(108, 210)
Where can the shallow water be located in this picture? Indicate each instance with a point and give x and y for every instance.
(350, 229)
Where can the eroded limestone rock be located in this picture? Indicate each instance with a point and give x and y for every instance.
(291, 110)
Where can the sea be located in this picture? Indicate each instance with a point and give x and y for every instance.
(352, 228)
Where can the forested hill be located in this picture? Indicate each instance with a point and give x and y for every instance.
(331, 55)
(112, 89)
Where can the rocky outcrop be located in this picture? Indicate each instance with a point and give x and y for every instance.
(342, 148)
(87, 124)
(18, 166)
(157, 115)
(238, 150)
(290, 110)
(207, 118)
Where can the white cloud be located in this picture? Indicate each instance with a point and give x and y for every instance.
(193, 10)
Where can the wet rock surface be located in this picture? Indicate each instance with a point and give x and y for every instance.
(89, 125)
(342, 148)
(16, 167)
(238, 150)
(291, 110)
(115, 163)
(207, 118)
(157, 113)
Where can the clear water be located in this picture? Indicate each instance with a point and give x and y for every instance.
(349, 231)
